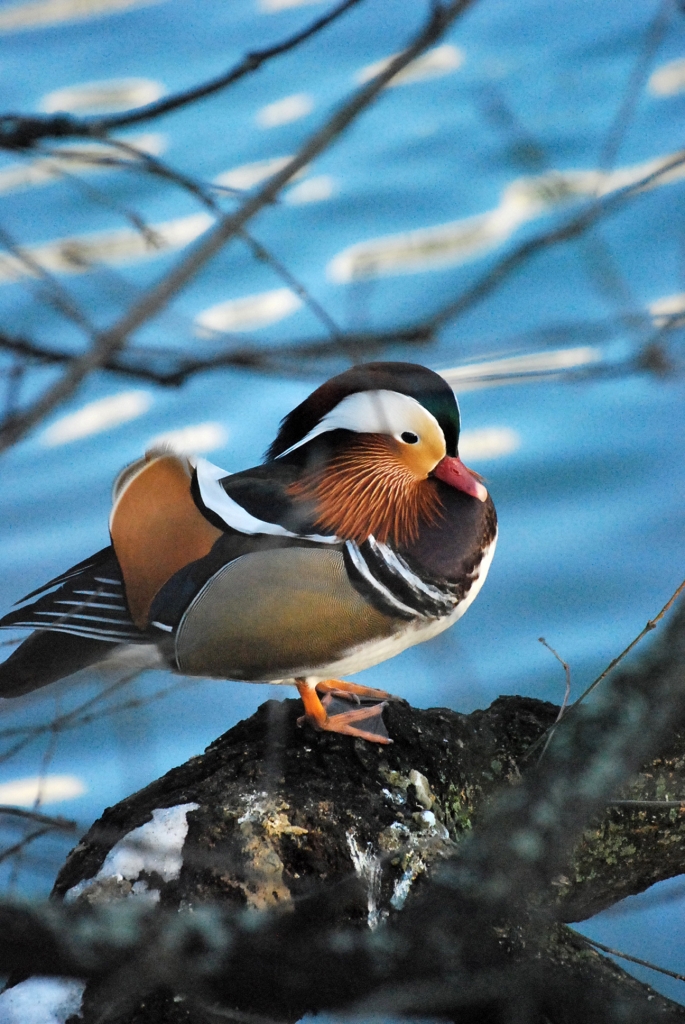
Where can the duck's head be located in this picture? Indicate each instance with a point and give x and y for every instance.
(371, 443)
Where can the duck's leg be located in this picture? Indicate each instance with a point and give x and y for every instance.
(365, 722)
(339, 688)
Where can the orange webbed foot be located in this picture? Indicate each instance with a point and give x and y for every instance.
(364, 722)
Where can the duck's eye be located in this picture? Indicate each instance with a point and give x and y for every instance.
(409, 437)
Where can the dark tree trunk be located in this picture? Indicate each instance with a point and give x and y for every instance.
(282, 810)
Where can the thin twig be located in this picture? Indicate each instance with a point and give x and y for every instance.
(617, 130)
(32, 732)
(647, 803)
(426, 330)
(352, 343)
(65, 824)
(204, 195)
(75, 719)
(154, 364)
(17, 132)
(152, 302)
(55, 293)
(18, 847)
(15, 379)
(651, 624)
(521, 254)
(632, 959)
(171, 367)
(567, 692)
(136, 221)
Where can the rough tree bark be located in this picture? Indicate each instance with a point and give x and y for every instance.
(281, 811)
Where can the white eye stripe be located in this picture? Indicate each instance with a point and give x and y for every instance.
(374, 412)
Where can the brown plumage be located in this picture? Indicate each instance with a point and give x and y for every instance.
(368, 489)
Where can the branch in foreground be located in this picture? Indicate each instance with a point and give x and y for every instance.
(333, 834)
(18, 132)
(111, 340)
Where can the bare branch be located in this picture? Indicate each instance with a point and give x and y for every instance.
(16, 848)
(172, 368)
(651, 624)
(111, 340)
(18, 132)
(619, 126)
(204, 195)
(153, 365)
(634, 959)
(59, 823)
(55, 293)
(567, 692)
(573, 228)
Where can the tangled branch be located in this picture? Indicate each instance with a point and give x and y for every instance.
(108, 342)
(19, 132)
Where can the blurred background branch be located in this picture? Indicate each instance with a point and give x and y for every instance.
(108, 342)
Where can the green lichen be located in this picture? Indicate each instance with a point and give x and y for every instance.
(459, 805)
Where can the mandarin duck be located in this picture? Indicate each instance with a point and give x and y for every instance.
(360, 535)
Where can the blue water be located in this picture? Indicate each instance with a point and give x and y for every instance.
(590, 501)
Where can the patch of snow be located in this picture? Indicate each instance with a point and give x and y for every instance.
(255, 807)
(41, 1001)
(154, 847)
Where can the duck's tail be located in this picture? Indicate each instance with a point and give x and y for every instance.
(79, 618)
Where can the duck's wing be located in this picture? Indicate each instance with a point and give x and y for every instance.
(272, 595)
(253, 514)
(284, 608)
(168, 514)
(256, 501)
(162, 528)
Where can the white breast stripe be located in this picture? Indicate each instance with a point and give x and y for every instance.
(234, 515)
(400, 567)
(363, 569)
